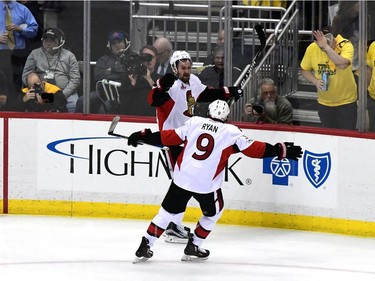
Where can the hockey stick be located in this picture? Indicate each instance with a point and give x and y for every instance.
(248, 71)
(111, 132)
(164, 149)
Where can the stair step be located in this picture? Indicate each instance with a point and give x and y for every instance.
(306, 116)
(304, 95)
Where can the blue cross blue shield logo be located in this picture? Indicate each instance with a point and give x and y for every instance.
(280, 169)
(317, 167)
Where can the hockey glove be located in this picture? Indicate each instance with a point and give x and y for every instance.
(289, 150)
(138, 137)
(235, 92)
(283, 150)
(166, 81)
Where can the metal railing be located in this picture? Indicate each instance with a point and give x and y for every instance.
(187, 31)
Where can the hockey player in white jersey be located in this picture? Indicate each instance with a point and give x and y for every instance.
(198, 173)
(175, 97)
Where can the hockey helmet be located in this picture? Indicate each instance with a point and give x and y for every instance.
(219, 110)
(176, 57)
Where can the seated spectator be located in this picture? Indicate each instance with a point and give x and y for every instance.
(56, 65)
(213, 75)
(109, 67)
(164, 49)
(269, 106)
(134, 97)
(238, 60)
(40, 96)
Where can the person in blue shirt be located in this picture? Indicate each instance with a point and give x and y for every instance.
(22, 29)
(23, 26)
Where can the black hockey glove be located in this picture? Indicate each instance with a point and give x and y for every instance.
(138, 137)
(235, 92)
(166, 81)
(289, 150)
(283, 150)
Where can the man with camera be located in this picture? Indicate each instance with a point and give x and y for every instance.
(141, 77)
(41, 96)
(268, 107)
(56, 65)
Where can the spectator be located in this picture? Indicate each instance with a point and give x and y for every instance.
(108, 67)
(269, 107)
(208, 142)
(56, 65)
(164, 48)
(332, 56)
(346, 23)
(41, 96)
(238, 60)
(371, 86)
(213, 75)
(16, 29)
(134, 98)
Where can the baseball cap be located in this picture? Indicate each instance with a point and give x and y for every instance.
(117, 35)
(53, 33)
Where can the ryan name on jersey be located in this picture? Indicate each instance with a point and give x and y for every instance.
(209, 127)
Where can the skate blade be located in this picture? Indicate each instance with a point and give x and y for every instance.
(175, 240)
(140, 260)
(192, 258)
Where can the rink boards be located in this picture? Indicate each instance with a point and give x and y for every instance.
(73, 168)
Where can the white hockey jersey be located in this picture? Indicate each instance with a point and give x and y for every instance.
(208, 145)
(181, 106)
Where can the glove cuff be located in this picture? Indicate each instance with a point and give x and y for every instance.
(145, 132)
(283, 150)
(226, 92)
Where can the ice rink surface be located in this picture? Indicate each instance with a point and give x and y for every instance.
(86, 249)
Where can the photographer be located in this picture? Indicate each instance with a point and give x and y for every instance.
(141, 76)
(41, 96)
(110, 67)
(269, 107)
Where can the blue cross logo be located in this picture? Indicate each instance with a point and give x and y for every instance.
(280, 169)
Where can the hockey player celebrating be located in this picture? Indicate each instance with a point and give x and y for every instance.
(208, 143)
(175, 96)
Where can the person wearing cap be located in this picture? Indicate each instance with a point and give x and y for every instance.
(108, 67)
(331, 57)
(56, 65)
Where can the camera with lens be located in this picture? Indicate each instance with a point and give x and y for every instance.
(46, 97)
(132, 63)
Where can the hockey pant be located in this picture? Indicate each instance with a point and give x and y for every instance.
(174, 206)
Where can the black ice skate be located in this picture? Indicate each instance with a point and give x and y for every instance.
(143, 253)
(193, 252)
(176, 234)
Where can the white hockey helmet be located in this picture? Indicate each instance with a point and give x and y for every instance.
(219, 110)
(177, 56)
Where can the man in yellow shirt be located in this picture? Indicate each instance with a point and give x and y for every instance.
(332, 57)
(371, 86)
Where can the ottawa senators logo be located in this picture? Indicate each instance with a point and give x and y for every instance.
(190, 100)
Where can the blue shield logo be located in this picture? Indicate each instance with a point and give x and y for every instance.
(317, 167)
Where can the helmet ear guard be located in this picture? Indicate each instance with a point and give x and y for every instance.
(178, 56)
(218, 110)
